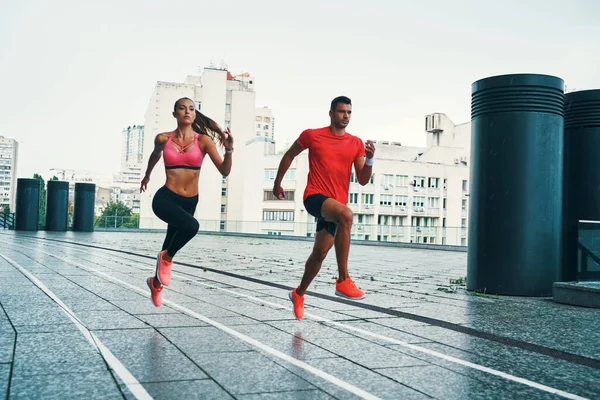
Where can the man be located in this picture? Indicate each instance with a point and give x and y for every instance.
(331, 153)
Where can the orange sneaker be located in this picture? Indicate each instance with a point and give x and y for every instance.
(298, 302)
(348, 289)
(163, 269)
(155, 294)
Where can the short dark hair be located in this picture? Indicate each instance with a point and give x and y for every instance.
(340, 99)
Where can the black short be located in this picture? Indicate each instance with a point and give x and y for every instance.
(313, 205)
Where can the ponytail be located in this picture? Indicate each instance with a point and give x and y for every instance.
(206, 126)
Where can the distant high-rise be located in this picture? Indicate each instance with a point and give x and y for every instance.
(132, 153)
(132, 145)
(9, 149)
(265, 123)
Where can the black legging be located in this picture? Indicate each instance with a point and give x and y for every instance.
(178, 212)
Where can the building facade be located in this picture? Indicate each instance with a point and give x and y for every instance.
(132, 153)
(265, 123)
(229, 101)
(9, 151)
(416, 194)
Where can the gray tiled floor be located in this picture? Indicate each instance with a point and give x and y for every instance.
(187, 351)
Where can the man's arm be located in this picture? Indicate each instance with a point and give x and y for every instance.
(285, 163)
(364, 166)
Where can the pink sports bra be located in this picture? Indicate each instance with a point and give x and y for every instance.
(180, 158)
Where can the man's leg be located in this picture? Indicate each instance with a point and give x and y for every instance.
(334, 211)
(323, 243)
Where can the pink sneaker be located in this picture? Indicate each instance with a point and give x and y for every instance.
(298, 302)
(348, 289)
(155, 293)
(163, 269)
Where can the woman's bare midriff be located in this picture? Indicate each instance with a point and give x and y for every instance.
(184, 182)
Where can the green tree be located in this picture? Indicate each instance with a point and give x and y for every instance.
(132, 222)
(114, 215)
(6, 209)
(54, 178)
(70, 212)
(42, 216)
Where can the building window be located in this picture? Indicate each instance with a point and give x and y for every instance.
(288, 194)
(258, 118)
(464, 204)
(419, 181)
(464, 186)
(224, 192)
(222, 226)
(433, 202)
(385, 200)
(353, 178)
(418, 201)
(223, 208)
(434, 183)
(367, 198)
(401, 201)
(401, 180)
(353, 198)
(387, 180)
(271, 174)
(227, 123)
(227, 108)
(273, 215)
(383, 220)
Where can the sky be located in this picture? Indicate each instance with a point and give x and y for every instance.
(73, 74)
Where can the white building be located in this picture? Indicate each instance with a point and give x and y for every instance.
(9, 150)
(132, 145)
(130, 174)
(107, 190)
(265, 123)
(229, 101)
(132, 153)
(417, 195)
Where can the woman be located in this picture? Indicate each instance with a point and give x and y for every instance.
(183, 151)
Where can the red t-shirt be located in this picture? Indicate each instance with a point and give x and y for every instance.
(330, 160)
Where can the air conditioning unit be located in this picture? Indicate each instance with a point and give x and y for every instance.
(367, 206)
(418, 229)
(402, 208)
(433, 122)
(386, 187)
(456, 160)
(360, 228)
(463, 159)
